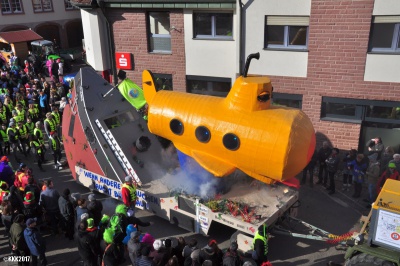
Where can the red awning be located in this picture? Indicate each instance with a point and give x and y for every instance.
(20, 36)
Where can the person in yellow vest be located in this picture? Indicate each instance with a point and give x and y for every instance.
(33, 112)
(55, 147)
(57, 119)
(4, 140)
(23, 137)
(49, 124)
(30, 125)
(15, 116)
(260, 245)
(21, 112)
(13, 138)
(38, 133)
(128, 192)
(38, 151)
(3, 115)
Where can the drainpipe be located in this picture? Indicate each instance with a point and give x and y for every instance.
(110, 37)
(242, 38)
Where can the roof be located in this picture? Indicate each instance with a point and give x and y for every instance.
(20, 36)
(157, 3)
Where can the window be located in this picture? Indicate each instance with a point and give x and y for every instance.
(357, 110)
(159, 27)
(42, 6)
(208, 85)
(288, 100)
(286, 32)
(163, 81)
(213, 25)
(385, 34)
(69, 6)
(11, 6)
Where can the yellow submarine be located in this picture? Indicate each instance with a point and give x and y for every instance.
(242, 131)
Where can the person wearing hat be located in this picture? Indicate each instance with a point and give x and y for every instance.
(372, 177)
(55, 147)
(6, 172)
(134, 247)
(128, 192)
(159, 253)
(390, 173)
(19, 174)
(260, 245)
(94, 208)
(31, 207)
(35, 242)
(211, 252)
(86, 245)
(232, 256)
(17, 239)
(67, 214)
(94, 232)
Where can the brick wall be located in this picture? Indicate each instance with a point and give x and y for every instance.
(130, 35)
(338, 43)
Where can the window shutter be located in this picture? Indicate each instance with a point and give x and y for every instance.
(387, 19)
(288, 21)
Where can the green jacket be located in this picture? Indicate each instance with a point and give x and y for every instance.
(17, 238)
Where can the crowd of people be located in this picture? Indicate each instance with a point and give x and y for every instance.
(370, 169)
(30, 209)
(30, 103)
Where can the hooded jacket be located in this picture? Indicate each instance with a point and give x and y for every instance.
(34, 240)
(86, 246)
(208, 253)
(6, 173)
(17, 238)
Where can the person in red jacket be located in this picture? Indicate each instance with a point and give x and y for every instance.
(390, 173)
(128, 192)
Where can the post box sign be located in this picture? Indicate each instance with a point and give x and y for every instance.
(124, 60)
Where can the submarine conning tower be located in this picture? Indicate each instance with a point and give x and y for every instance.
(251, 93)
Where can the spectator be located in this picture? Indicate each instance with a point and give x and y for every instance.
(212, 253)
(86, 246)
(188, 249)
(6, 172)
(35, 242)
(332, 164)
(159, 253)
(310, 170)
(31, 207)
(260, 244)
(67, 214)
(387, 156)
(17, 239)
(32, 187)
(372, 174)
(144, 259)
(49, 201)
(375, 145)
(81, 209)
(390, 173)
(358, 168)
(15, 199)
(323, 154)
(7, 216)
(173, 261)
(232, 257)
(134, 247)
(178, 250)
(94, 208)
(347, 174)
(396, 161)
(96, 235)
(113, 254)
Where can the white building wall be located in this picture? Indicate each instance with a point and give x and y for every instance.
(96, 42)
(29, 17)
(280, 63)
(215, 58)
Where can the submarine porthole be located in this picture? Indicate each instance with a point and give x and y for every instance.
(231, 141)
(176, 126)
(203, 134)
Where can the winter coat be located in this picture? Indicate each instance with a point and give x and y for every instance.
(6, 173)
(95, 208)
(232, 258)
(134, 247)
(332, 163)
(86, 246)
(32, 210)
(323, 154)
(375, 148)
(159, 256)
(112, 255)
(34, 240)
(34, 189)
(18, 240)
(358, 170)
(66, 208)
(373, 173)
(208, 253)
(49, 200)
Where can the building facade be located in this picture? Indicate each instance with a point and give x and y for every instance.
(337, 60)
(53, 20)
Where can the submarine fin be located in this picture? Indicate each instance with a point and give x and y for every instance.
(259, 177)
(148, 86)
(213, 165)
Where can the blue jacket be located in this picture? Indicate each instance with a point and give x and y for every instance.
(358, 170)
(49, 200)
(34, 240)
